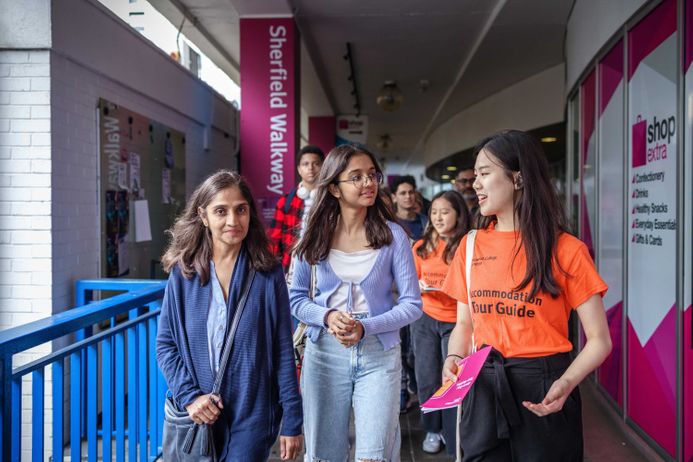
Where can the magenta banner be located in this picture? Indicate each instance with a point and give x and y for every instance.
(271, 104)
(687, 347)
(322, 132)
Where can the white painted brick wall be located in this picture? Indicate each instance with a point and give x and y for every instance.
(49, 196)
(25, 206)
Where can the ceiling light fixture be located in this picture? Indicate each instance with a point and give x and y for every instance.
(390, 96)
(451, 168)
(445, 177)
(549, 139)
(383, 143)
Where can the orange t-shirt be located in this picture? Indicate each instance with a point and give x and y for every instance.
(432, 271)
(508, 320)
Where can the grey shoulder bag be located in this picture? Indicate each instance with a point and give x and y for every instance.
(183, 439)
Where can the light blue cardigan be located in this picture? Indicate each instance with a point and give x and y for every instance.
(394, 263)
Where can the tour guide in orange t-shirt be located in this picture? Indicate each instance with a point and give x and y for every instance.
(527, 274)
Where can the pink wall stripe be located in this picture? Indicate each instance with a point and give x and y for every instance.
(649, 33)
(651, 382)
(688, 383)
(688, 56)
(610, 75)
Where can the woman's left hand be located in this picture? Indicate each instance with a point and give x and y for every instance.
(290, 446)
(554, 399)
(350, 339)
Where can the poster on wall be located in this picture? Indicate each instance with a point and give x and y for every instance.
(352, 129)
(610, 211)
(651, 212)
(687, 356)
(138, 204)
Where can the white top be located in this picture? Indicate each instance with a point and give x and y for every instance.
(307, 204)
(351, 268)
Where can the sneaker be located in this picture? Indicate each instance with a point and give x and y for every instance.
(432, 443)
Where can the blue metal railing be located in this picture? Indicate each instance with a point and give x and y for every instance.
(116, 391)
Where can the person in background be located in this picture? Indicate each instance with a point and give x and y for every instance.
(464, 182)
(352, 356)
(527, 275)
(404, 198)
(214, 244)
(386, 196)
(419, 204)
(293, 208)
(448, 223)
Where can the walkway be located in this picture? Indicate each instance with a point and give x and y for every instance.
(605, 440)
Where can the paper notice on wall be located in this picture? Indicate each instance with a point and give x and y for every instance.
(123, 256)
(143, 229)
(166, 186)
(135, 183)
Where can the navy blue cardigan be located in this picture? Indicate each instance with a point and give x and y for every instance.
(260, 389)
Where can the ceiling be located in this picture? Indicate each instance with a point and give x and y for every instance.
(466, 50)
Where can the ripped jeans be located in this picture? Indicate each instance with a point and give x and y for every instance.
(333, 380)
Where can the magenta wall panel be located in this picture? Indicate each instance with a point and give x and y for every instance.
(653, 64)
(610, 210)
(322, 132)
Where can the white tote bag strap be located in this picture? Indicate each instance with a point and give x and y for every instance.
(469, 254)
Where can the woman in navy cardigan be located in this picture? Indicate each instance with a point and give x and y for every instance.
(353, 356)
(213, 245)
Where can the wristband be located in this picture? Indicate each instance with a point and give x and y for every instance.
(453, 354)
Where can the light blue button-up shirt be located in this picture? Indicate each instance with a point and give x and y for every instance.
(216, 321)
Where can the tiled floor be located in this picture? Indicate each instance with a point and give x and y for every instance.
(605, 439)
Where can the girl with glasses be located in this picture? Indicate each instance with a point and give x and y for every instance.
(352, 358)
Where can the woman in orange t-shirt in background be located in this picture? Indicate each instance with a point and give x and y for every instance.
(527, 275)
(448, 223)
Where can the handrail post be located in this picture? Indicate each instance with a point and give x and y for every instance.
(5, 405)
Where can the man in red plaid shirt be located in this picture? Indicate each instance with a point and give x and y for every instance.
(293, 207)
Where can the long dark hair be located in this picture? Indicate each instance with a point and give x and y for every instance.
(324, 214)
(537, 207)
(191, 242)
(430, 236)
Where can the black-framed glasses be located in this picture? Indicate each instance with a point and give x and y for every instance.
(466, 180)
(361, 181)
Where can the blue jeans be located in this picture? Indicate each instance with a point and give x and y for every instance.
(333, 380)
